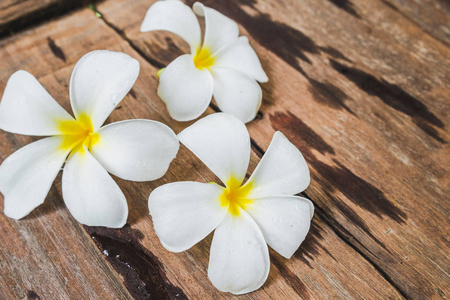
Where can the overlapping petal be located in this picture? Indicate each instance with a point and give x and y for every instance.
(27, 175)
(240, 56)
(219, 29)
(90, 194)
(184, 213)
(99, 81)
(283, 220)
(27, 108)
(239, 257)
(281, 171)
(176, 17)
(236, 93)
(185, 89)
(222, 142)
(138, 150)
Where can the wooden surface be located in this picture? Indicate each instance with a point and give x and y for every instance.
(360, 87)
(15, 15)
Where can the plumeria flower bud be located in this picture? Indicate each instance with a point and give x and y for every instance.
(138, 150)
(224, 65)
(245, 216)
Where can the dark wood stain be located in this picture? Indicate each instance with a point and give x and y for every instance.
(259, 115)
(329, 94)
(347, 6)
(132, 93)
(429, 130)
(172, 47)
(359, 191)
(32, 295)
(42, 13)
(12, 140)
(392, 95)
(338, 177)
(309, 249)
(390, 5)
(303, 137)
(143, 273)
(162, 56)
(355, 218)
(284, 41)
(334, 53)
(57, 51)
(287, 43)
(295, 282)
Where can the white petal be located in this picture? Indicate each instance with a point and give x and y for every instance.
(281, 171)
(99, 82)
(239, 257)
(185, 89)
(219, 29)
(176, 17)
(138, 150)
(27, 175)
(236, 93)
(284, 221)
(90, 194)
(27, 108)
(221, 141)
(184, 213)
(240, 56)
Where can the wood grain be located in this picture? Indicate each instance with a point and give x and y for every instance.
(142, 266)
(17, 14)
(430, 16)
(363, 92)
(360, 88)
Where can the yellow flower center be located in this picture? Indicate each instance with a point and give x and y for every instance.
(203, 58)
(77, 134)
(235, 196)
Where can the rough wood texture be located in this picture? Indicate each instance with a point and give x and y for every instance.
(15, 14)
(361, 88)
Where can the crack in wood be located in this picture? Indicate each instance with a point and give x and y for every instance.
(35, 13)
(362, 250)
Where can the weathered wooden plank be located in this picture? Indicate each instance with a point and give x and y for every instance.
(432, 16)
(48, 254)
(363, 92)
(15, 14)
(324, 267)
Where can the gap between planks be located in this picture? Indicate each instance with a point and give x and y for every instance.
(43, 12)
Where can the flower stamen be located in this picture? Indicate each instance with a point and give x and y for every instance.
(203, 58)
(235, 196)
(78, 133)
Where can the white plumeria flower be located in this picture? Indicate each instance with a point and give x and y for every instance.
(138, 150)
(245, 217)
(224, 65)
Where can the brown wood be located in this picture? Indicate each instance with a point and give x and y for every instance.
(430, 16)
(17, 14)
(361, 88)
